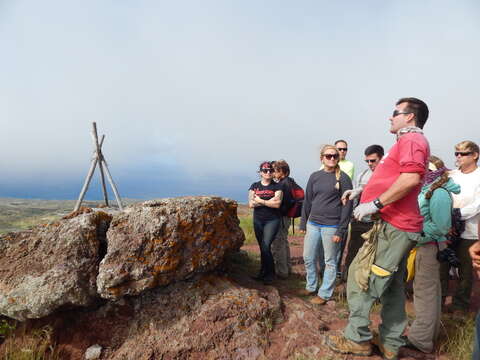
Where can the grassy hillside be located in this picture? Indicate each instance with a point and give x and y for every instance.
(19, 214)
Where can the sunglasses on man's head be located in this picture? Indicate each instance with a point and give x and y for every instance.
(396, 113)
(331, 156)
(266, 171)
(342, 149)
(463, 153)
(370, 161)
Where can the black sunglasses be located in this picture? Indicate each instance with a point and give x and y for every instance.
(370, 161)
(331, 156)
(342, 149)
(265, 171)
(461, 153)
(396, 113)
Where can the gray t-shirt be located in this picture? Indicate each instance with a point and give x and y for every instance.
(362, 181)
(323, 205)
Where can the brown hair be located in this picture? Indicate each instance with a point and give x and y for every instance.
(282, 165)
(442, 178)
(468, 145)
(418, 108)
(337, 167)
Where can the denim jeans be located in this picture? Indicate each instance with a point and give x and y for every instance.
(318, 242)
(265, 232)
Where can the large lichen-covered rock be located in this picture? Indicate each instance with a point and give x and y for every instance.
(51, 266)
(162, 241)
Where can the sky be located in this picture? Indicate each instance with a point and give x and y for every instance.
(193, 95)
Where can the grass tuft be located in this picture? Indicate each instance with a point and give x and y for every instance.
(37, 344)
(456, 336)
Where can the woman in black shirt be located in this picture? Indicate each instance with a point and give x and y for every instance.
(265, 197)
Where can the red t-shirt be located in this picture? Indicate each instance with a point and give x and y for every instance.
(409, 155)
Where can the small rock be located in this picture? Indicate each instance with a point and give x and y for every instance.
(93, 352)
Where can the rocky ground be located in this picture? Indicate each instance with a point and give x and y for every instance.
(331, 317)
(165, 281)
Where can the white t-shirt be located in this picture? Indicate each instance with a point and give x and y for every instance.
(468, 200)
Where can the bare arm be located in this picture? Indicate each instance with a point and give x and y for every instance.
(401, 187)
(251, 199)
(274, 202)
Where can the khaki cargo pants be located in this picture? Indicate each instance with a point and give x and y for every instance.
(281, 249)
(391, 255)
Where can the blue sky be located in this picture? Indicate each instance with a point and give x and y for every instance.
(193, 95)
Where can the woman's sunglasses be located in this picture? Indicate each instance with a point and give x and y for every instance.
(331, 156)
(266, 171)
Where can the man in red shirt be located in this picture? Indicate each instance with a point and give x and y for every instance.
(392, 191)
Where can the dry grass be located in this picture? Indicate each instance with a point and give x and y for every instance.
(33, 345)
(456, 336)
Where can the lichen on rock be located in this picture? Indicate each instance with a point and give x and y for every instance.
(158, 242)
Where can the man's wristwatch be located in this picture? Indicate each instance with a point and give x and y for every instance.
(378, 203)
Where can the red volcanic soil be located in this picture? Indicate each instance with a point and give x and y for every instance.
(338, 317)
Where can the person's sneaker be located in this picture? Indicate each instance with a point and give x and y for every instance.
(317, 300)
(341, 344)
(386, 353)
(305, 292)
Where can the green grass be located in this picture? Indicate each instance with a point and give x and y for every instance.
(21, 214)
(246, 224)
(243, 262)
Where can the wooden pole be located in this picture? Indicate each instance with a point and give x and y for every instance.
(100, 156)
(103, 163)
(89, 177)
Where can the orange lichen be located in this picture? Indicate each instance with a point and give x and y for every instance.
(82, 210)
(167, 266)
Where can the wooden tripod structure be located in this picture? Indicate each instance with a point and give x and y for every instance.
(99, 159)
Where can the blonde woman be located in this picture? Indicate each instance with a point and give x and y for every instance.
(325, 220)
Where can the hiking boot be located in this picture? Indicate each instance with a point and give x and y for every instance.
(386, 353)
(341, 344)
(305, 292)
(317, 300)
